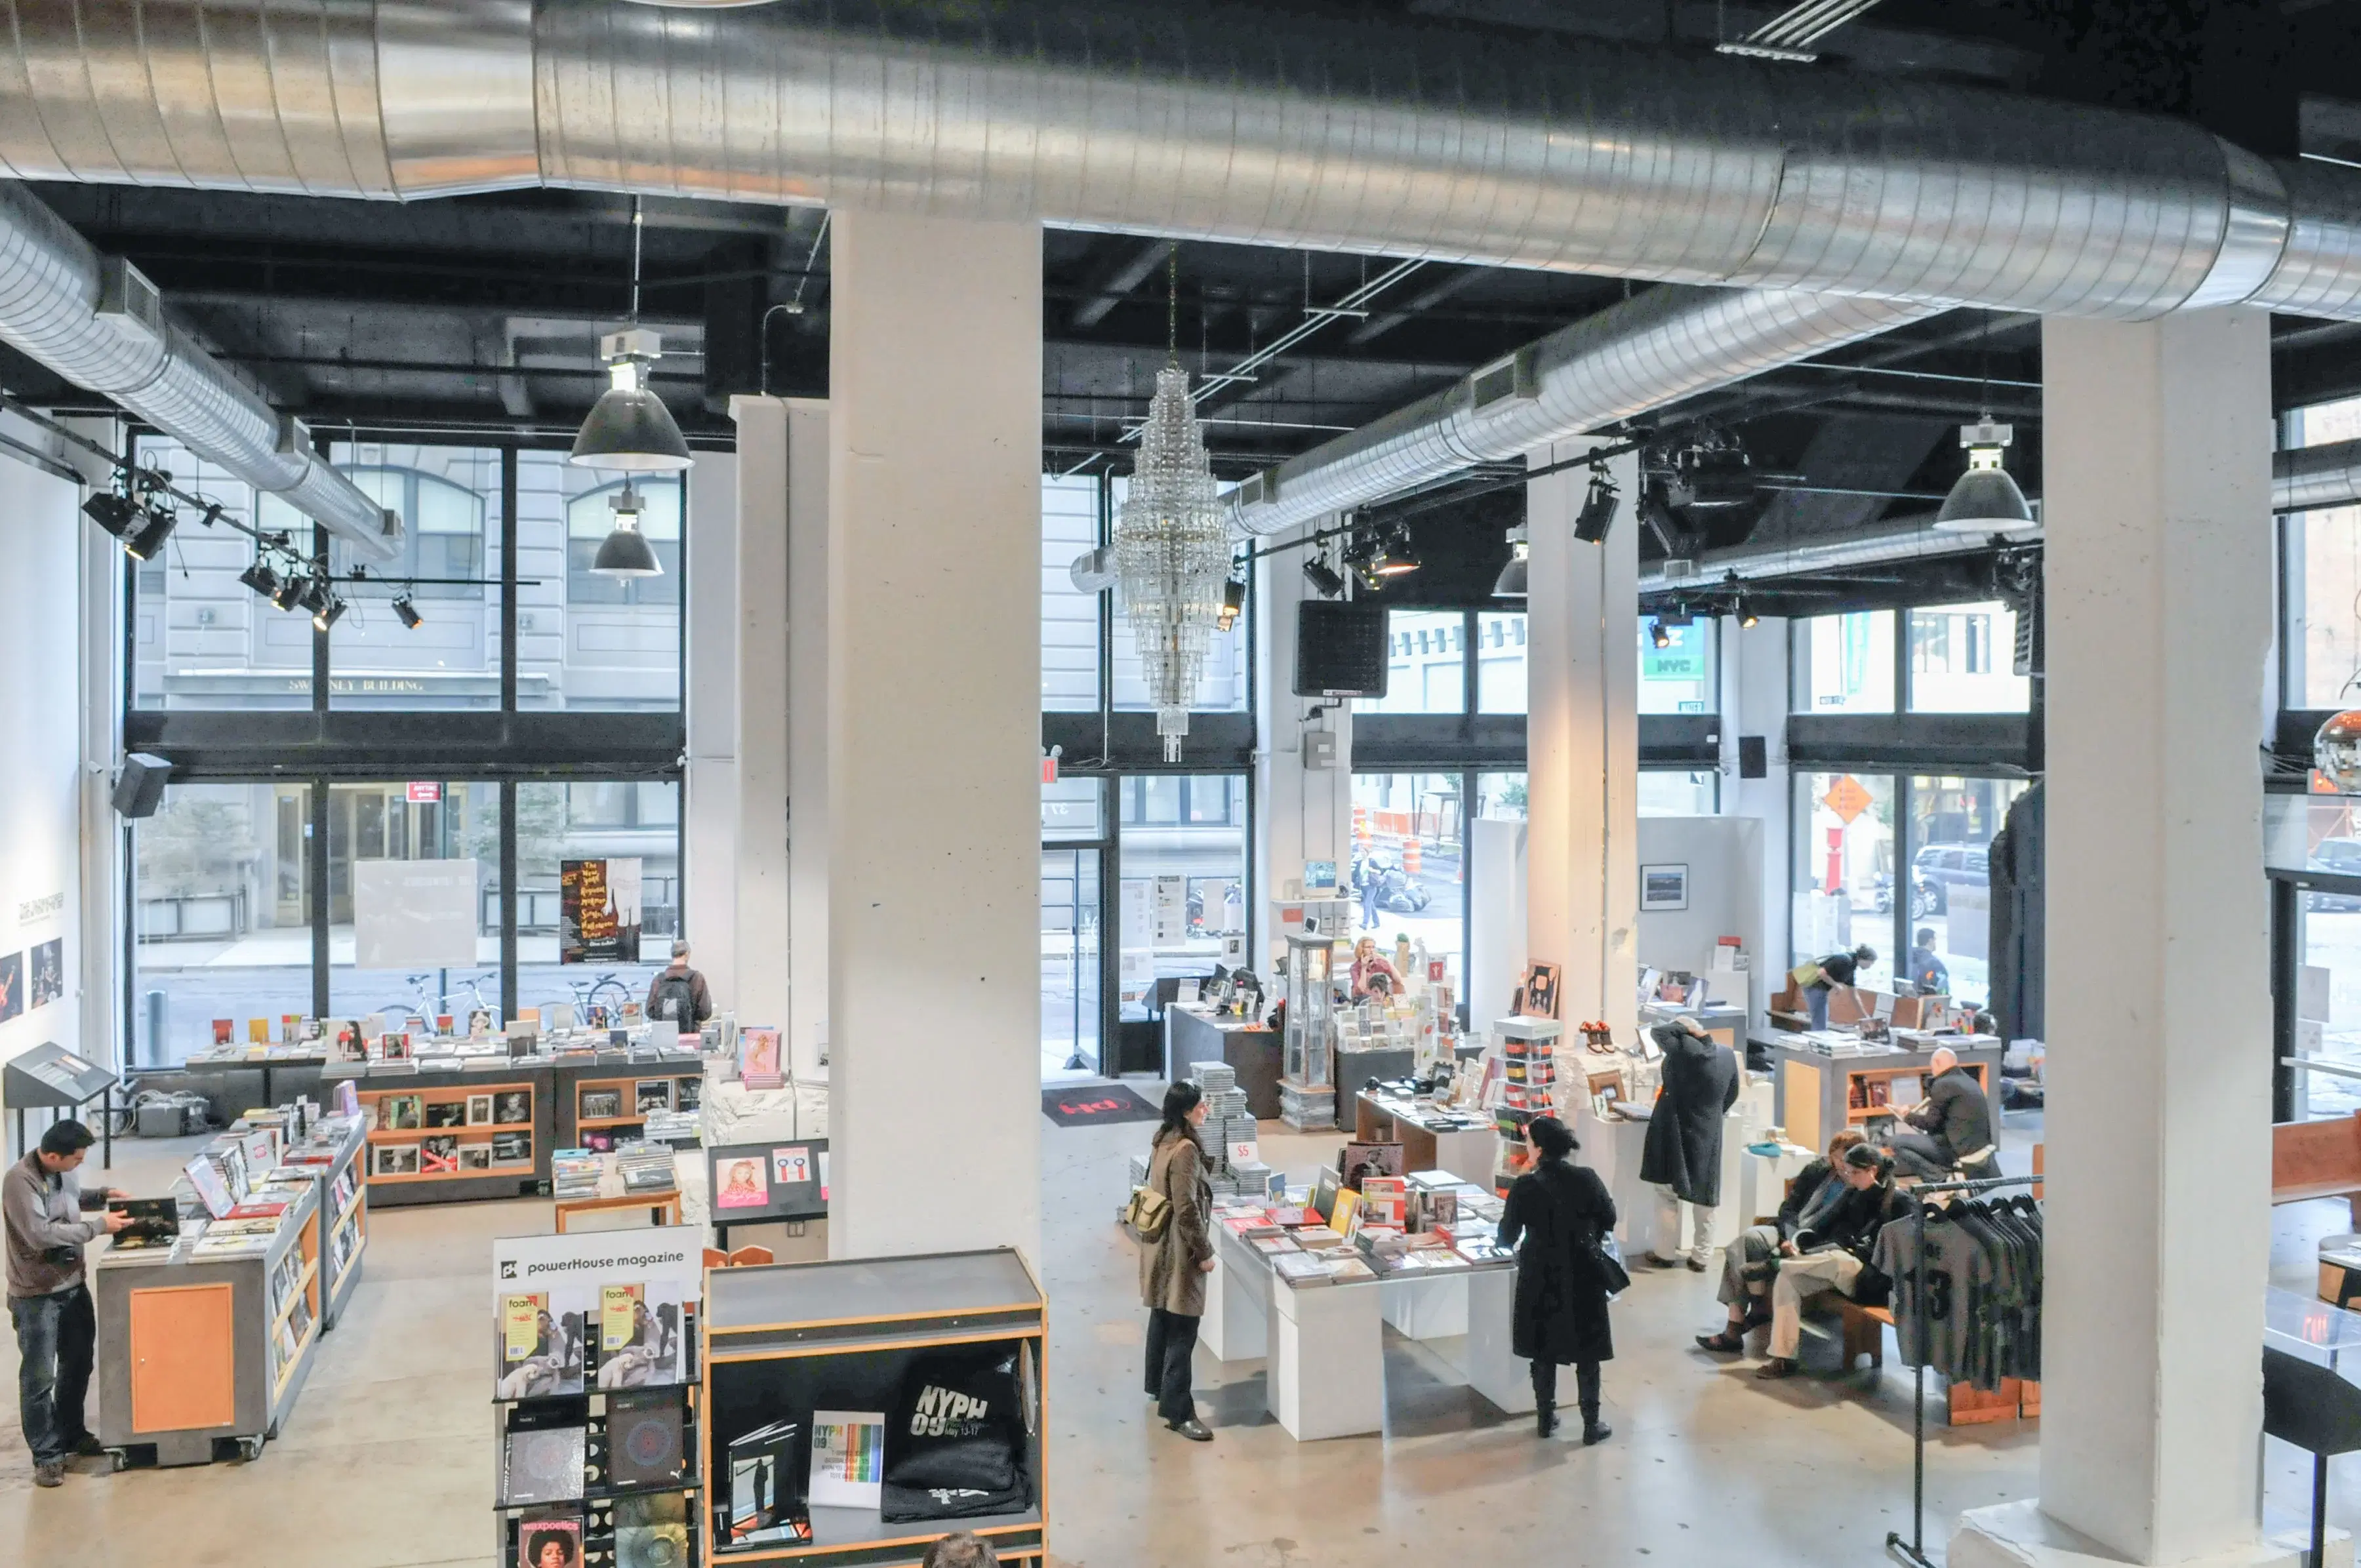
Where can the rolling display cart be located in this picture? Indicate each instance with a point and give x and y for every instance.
(343, 1216)
(203, 1355)
(783, 1341)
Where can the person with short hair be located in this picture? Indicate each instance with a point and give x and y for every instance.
(1952, 1124)
(679, 992)
(1825, 974)
(1749, 1263)
(1832, 1253)
(43, 1205)
(1928, 974)
(1172, 1269)
(961, 1550)
(1557, 1214)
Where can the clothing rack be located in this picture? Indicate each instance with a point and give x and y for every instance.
(1914, 1551)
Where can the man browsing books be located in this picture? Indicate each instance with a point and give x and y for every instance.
(43, 1205)
(679, 992)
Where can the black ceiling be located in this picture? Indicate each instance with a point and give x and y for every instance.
(482, 313)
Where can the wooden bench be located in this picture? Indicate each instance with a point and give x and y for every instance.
(2318, 1159)
(1862, 1330)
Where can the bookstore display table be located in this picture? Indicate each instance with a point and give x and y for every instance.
(1193, 1034)
(1323, 1345)
(1725, 1023)
(264, 1059)
(1433, 1137)
(1820, 1092)
(663, 1207)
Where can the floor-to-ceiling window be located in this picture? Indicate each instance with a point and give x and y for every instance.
(1074, 841)
(1843, 894)
(1409, 861)
(1183, 846)
(1952, 820)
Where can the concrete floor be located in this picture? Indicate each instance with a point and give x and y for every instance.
(388, 1460)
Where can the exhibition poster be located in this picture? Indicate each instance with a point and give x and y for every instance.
(598, 911)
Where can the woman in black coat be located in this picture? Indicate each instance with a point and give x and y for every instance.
(1560, 1210)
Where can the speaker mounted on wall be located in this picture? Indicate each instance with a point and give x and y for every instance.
(139, 787)
(1340, 648)
(1754, 757)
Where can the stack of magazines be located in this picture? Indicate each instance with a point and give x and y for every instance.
(574, 1173)
(646, 1167)
(670, 1126)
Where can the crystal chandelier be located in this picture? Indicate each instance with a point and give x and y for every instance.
(1173, 555)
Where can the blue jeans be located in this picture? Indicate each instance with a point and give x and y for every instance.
(1816, 1003)
(55, 1335)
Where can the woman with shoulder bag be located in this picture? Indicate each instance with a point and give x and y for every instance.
(1176, 1253)
(1562, 1213)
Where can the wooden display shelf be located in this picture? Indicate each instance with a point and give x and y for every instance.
(411, 1134)
(521, 1171)
(302, 1290)
(595, 1122)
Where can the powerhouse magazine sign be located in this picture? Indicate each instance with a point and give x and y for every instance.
(598, 911)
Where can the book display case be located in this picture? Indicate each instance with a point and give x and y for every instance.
(616, 1467)
(787, 1343)
(198, 1356)
(1818, 1093)
(438, 1136)
(599, 1104)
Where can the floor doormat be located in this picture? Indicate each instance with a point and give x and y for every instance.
(1096, 1106)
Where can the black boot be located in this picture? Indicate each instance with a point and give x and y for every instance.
(1546, 1416)
(1594, 1431)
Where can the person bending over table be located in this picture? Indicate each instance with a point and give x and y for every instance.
(1824, 975)
(1952, 1123)
(1749, 1263)
(1833, 1253)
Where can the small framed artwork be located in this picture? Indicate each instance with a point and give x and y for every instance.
(475, 1156)
(395, 1159)
(511, 1107)
(601, 1104)
(1664, 887)
(480, 1110)
(1540, 990)
(652, 1094)
(1607, 1085)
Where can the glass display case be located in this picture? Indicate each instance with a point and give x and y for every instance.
(1311, 1008)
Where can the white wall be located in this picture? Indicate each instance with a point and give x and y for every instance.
(41, 539)
(1754, 702)
(1299, 816)
(1724, 856)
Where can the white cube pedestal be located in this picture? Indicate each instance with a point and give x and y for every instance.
(1237, 1325)
(1427, 1308)
(1326, 1376)
(1493, 1370)
(1469, 1156)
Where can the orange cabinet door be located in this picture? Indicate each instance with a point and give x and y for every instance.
(184, 1359)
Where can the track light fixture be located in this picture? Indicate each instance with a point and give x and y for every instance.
(1395, 558)
(260, 577)
(328, 614)
(407, 613)
(148, 537)
(1659, 634)
(115, 513)
(291, 592)
(1747, 619)
(1324, 578)
(1234, 601)
(1597, 514)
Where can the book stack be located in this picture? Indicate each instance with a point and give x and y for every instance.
(646, 1167)
(1230, 1134)
(574, 1173)
(1305, 1107)
(670, 1126)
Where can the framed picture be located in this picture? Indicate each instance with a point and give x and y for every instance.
(475, 1156)
(1356, 1160)
(511, 1148)
(1608, 1085)
(600, 1103)
(652, 1094)
(480, 1110)
(407, 1111)
(395, 1159)
(1664, 887)
(512, 1107)
(1540, 990)
(446, 1114)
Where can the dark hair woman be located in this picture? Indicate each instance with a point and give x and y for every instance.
(1172, 1269)
(1559, 1210)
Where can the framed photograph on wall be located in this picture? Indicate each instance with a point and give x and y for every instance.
(480, 1110)
(1664, 887)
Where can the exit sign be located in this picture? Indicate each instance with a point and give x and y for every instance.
(426, 794)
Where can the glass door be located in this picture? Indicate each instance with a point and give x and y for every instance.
(1070, 963)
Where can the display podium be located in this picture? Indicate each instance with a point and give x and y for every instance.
(51, 1076)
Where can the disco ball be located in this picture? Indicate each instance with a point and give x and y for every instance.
(2337, 751)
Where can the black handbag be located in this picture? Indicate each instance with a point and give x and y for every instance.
(1610, 1259)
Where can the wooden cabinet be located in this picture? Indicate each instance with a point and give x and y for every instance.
(184, 1357)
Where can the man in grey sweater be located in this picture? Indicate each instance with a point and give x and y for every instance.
(43, 1205)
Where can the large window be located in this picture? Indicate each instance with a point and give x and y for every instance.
(1962, 660)
(598, 642)
(1952, 821)
(2321, 641)
(1069, 618)
(221, 916)
(1426, 663)
(1843, 889)
(1844, 663)
(1183, 845)
(1501, 679)
(560, 822)
(1676, 666)
(1667, 793)
(1409, 858)
(412, 819)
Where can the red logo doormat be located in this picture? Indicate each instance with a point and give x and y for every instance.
(1096, 1104)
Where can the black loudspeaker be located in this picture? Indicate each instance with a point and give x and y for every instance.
(1340, 648)
(1754, 757)
(139, 787)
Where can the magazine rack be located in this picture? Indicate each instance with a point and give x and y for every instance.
(782, 1341)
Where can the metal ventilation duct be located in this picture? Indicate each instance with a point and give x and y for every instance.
(2311, 478)
(1652, 349)
(98, 324)
(1397, 138)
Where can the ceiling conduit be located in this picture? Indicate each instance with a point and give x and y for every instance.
(97, 323)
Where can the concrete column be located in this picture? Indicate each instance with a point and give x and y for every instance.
(2156, 493)
(1300, 814)
(710, 794)
(933, 734)
(803, 812)
(758, 606)
(1582, 742)
(1754, 702)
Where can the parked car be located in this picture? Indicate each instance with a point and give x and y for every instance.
(2341, 857)
(1937, 869)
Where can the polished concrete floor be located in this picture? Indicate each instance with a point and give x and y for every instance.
(387, 1459)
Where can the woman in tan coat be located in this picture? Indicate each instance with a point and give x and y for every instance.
(1172, 1270)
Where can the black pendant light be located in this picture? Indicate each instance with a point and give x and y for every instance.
(630, 428)
(625, 553)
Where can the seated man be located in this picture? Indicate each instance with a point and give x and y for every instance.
(1833, 1253)
(1748, 1263)
(1953, 1122)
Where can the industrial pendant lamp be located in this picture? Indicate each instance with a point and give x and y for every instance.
(629, 428)
(625, 553)
(1512, 583)
(1984, 499)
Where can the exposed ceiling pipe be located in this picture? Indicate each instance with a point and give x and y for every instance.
(97, 323)
(2311, 478)
(1396, 137)
(1887, 547)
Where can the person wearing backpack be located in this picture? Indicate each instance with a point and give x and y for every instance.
(678, 991)
(1171, 1218)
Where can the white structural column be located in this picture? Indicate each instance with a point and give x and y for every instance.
(933, 735)
(803, 814)
(1300, 814)
(1582, 744)
(2157, 497)
(712, 798)
(1754, 702)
